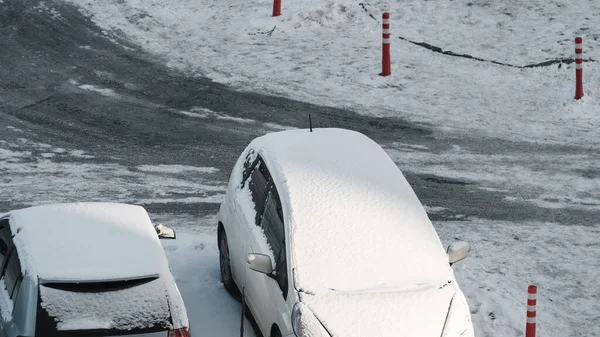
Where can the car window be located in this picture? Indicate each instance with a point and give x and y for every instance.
(12, 274)
(272, 225)
(249, 163)
(128, 307)
(259, 180)
(5, 240)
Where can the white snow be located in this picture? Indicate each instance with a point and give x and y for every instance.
(338, 209)
(309, 325)
(80, 154)
(194, 260)
(42, 7)
(6, 304)
(546, 179)
(57, 181)
(418, 312)
(140, 306)
(434, 209)
(507, 257)
(87, 241)
(198, 112)
(328, 52)
(6, 154)
(12, 128)
(102, 91)
(97, 242)
(176, 169)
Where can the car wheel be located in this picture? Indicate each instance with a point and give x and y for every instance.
(225, 266)
(276, 333)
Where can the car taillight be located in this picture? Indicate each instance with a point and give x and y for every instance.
(183, 332)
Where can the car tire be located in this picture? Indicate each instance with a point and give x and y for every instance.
(276, 332)
(225, 265)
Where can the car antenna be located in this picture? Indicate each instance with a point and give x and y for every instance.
(310, 122)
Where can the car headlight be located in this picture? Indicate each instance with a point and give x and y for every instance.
(296, 319)
(458, 322)
(305, 324)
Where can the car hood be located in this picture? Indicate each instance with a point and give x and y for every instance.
(416, 312)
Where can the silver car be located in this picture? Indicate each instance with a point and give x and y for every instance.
(86, 269)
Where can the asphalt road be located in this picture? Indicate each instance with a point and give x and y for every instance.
(44, 62)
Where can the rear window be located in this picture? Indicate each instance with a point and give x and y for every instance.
(103, 308)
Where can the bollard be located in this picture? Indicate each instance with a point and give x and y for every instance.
(531, 303)
(386, 67)
(276, 7)
(578, 68)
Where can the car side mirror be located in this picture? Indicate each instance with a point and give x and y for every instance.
(458, 251)
(164, 232)
(260, 263)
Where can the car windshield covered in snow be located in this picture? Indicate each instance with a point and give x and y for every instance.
(103, 308)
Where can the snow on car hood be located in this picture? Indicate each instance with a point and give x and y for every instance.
(420, 312)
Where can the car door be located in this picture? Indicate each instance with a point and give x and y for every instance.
(10, 277)
(272, 223)
(240, 219)
(257, 183)
(269, 292)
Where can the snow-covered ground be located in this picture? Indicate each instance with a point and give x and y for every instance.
(506, 257)
(194, 261)
(561, 260)
(328, 52)
(61, 175)
(545, 179)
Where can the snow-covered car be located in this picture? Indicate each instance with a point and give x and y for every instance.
(325, 237)
(86, 269)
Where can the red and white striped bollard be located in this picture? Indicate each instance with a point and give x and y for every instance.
(386, 67)
(578, 68)
(276, 7)
(531, 312)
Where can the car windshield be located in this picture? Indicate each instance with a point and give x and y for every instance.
(103, 308)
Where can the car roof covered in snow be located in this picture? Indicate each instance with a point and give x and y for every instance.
(87, 241)
(355, 222)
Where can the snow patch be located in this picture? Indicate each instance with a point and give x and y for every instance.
(80, 154)
(101, 91)
(547, 179)
(12, 128)
(291, 55)
(434, 209)
(141, 306)
(207, 113)
(176, 169)
(194, 260)
(6, 154)
(6, 304)
(279, 127)
(42, 7)
(507, 257)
